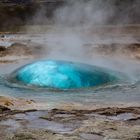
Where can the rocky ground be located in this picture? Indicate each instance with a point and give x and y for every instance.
(105, 123)
(19, 120)
(12, 50)
(108, 41)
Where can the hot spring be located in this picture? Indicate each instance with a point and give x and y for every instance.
(63, 75)
(96, 80)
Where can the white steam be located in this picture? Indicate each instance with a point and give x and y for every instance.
(84, 13)
(77, 33)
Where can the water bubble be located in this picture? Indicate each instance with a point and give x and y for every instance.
(63, 75)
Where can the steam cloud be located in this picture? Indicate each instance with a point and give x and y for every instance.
(83, 12)
(72, 41)
(98, 12)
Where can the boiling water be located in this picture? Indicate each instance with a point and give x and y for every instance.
(63, 75)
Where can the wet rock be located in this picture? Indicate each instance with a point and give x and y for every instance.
(20, 49)
(2, 36)
(6, 113)
(12, 106)
(131, 50)
(75, 125)
(41, 135)
(110, 111)
(3, 109)
(16, 104)
(23, 136)
(91, 136)
(2, 48)
(15, 49)
(115, 110)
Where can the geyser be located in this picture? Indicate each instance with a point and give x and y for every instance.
(63, 75)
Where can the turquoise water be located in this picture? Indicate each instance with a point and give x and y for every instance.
(115, 91)
(63, 75)
(110, 94)
(119, 91)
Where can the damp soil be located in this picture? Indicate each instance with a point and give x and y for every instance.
(98, 124)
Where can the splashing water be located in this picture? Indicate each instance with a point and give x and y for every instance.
(63, 75)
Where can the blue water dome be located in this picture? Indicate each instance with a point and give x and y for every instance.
(63, 75)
